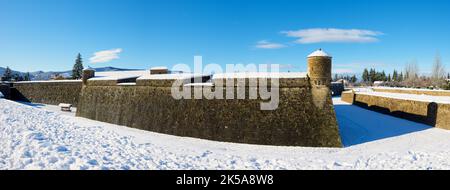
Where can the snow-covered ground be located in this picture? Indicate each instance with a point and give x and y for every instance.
(32, 137)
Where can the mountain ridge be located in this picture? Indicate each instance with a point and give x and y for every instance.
(46, 75)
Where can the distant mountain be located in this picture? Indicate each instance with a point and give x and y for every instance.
(2, 71)
(47, 75)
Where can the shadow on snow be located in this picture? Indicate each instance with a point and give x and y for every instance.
(358, 125)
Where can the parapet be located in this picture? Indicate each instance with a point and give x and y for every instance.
(248, 79)
(167, 80)
(253, 79)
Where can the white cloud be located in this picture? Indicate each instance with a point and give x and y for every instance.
(264, 44)
(105, 56)
(318, 35)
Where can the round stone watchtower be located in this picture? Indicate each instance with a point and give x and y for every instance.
(319, 68)
(87, 74)
(319, 73)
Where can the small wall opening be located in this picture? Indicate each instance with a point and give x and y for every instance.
(127, 80)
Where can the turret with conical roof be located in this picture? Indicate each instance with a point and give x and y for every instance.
(319, 68)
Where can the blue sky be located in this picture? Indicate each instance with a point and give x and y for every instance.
(48, 34)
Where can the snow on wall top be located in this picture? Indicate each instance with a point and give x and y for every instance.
(261, 75)
(148, 76)
(46, 81)
(199, 84)
(159, 68)
(145, 75)
(319, 53)
(415, 89)
(413, 97)
(117, 75)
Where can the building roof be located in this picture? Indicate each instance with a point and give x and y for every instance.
(319, 53)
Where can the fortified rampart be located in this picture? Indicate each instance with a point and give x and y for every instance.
(414, 91)
(149, 105)
(45, 92)
(430, 113)
(5, 89)
(304, 117)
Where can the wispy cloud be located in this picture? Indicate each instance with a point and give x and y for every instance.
(105, 56)
(318, 35)
(264, 44)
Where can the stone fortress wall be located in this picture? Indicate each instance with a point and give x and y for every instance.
(430, 113)
(305, 115)
(48, 92)
(414, 91)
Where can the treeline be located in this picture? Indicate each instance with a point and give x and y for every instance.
(10, 76)
(410, 77)
(372, 75)
(77, 72)
(352, 79)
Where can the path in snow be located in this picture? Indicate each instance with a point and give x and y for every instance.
(34, 138)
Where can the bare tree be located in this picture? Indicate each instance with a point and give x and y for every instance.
(438, 72)
(411, 74)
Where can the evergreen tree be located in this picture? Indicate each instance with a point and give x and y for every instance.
(27, 77)
(383, 76)
(372, 75)
(77, 70)
(389, 77)
(7, 76)
(353, 79)
(400, 77)
(17, 77)
(365, 75)
(395, 76)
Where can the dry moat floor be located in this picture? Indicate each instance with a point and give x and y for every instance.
(34, 136)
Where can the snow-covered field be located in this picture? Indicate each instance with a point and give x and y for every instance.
(37, 138)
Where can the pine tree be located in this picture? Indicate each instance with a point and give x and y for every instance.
(17, 77)
(77, 70)
(400, 77)
(372, 75)
(395, 76)
(7, 76)
(383, 76)
(389, 77)
(27, 77)
(365, 75)
(353, 79)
